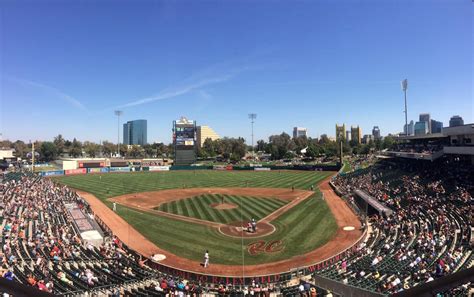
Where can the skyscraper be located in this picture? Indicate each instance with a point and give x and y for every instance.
(456, 121)
(411, 128)
(356, 134)
(341, 133)
(135, 132)
(436, 127)
(426, 117)
(421, 128)
(299, 131)
(376, 132)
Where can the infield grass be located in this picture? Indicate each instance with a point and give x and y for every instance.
(200, 207)
(303, 228)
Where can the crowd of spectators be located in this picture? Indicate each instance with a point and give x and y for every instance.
(42, 247)
(418, 148)
(427, 236)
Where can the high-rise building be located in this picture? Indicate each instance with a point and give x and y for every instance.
(135, 132)
(426, 117)
(367, 138)
(205, 132)
(421, 128)
(356, 134)
(436, 127)
(411, 128)
(299, 131)
(341, 133)
(456, 121)
(376, 132)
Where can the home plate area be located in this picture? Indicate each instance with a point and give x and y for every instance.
(239, 229)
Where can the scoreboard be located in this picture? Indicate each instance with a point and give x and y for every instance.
(184, 140)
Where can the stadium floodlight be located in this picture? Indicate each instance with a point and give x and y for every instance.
(252, 117)
(404, 88)
(118, 113)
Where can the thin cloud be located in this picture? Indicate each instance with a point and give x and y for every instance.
(58, 93)
(193, 83)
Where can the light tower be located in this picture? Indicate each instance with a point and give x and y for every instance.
(118, 113)
(404, 88)
(252, 117)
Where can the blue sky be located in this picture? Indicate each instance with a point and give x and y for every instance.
(65, 66)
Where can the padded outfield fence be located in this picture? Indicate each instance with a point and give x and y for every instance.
(191, 168)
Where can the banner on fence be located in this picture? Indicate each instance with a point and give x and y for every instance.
(51, 173)
(75, 171)
(97, 170)
(119, 169)
(262, 169)
(219, 167)
(159, 168)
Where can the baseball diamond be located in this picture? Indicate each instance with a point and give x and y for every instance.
(176, 211)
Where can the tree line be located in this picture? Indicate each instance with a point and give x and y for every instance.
(281, 146)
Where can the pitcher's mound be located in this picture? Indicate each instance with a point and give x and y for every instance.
(223, 205)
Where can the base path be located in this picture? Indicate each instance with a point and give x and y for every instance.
(341, 240)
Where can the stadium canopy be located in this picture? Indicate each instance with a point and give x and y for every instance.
(373, 202)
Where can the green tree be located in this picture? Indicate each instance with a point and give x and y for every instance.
(108, 148)
(21, 149)
(48, 151)
(76, 148)
(150, 151)
(91, 149)
(388, 142)
(60, 143)
(208, 148)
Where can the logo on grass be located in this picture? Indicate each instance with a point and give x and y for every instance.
(261, 246)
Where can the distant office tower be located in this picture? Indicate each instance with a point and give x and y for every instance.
(348, 135)
(356, 134)
(205, 132)
(421, 128)
(426, 117)
(299, 131)
(135, 132)
(436, 127)
(341, 133)
(456, 121)
(411, 129)
(367, 138)
(376, 132)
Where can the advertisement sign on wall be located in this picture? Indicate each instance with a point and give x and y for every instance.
(119, 169)
(51, 173)
(97, 170)
(75, 171)
(159, 168)
(262, 169)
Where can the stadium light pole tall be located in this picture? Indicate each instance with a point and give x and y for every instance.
(118, 113)
(252, 117)
(404, 88)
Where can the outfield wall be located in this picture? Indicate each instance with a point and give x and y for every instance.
(185, 167)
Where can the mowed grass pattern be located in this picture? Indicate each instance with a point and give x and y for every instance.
(200, 207)
(303, 228)
(104, 186)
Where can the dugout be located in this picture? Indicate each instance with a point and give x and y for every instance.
(369, 205)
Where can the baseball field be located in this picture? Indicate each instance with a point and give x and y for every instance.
(188, 212)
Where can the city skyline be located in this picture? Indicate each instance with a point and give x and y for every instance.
(153, 62)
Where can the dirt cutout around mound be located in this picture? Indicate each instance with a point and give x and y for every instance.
(136, 241)
(223, 205)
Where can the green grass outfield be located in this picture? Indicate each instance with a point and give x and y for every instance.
(305, 227)
(200, 207)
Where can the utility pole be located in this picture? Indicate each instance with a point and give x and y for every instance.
(252, 117)
(118, 113)
(404, 88)
(33, 157)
